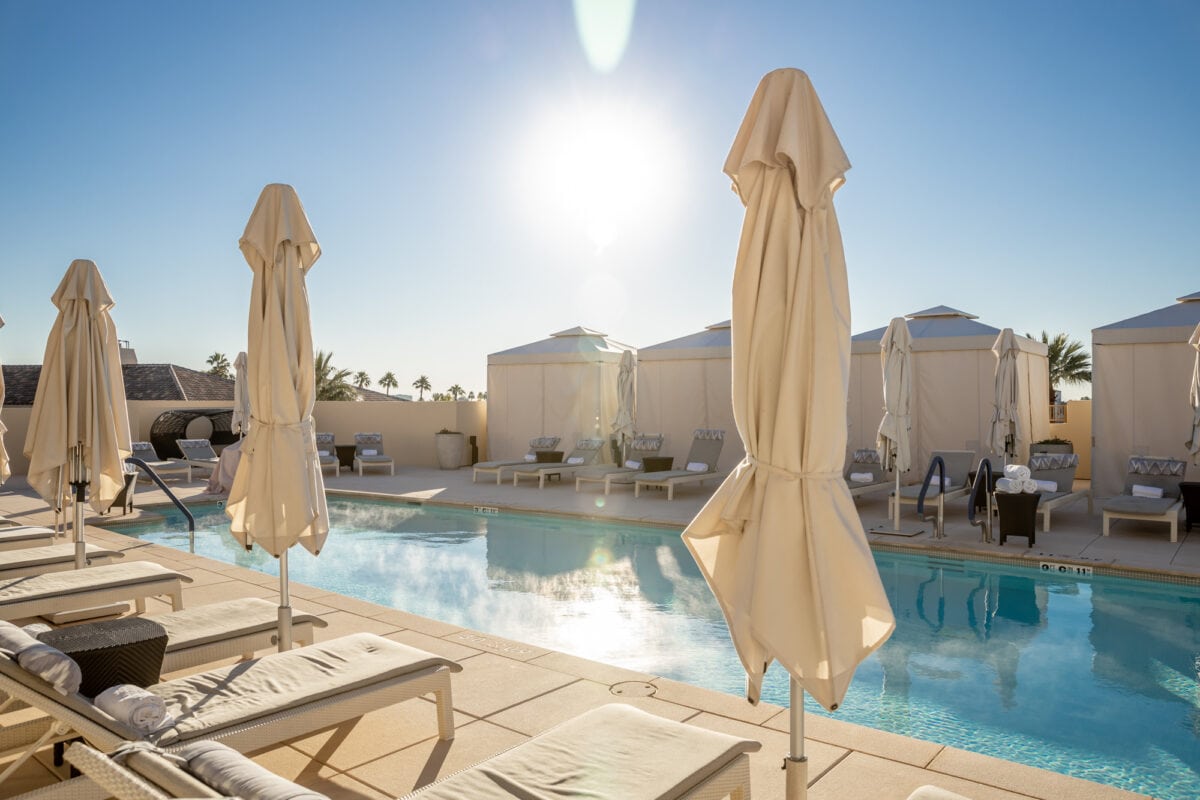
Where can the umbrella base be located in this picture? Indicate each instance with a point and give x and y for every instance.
(887, 527)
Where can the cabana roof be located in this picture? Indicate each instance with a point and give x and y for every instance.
(712, 342)
(944, 328)
(1171, 323)
(572, 344)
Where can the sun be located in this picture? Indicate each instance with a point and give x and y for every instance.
(603, 170)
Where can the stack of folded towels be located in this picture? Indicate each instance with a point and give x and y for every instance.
(139, 709)
(1017, 480)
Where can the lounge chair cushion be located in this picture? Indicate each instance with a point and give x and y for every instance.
(214, 622)
(51, 665)
(614, 752)
(374, 459)
(210, 701)
(49, 555)
(1126, 504)
(81, 581)
(233, 775)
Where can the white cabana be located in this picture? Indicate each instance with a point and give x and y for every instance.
(563, 386)
(953, 386)
(687, 383)
(1141, 369)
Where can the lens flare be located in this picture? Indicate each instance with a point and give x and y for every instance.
(604, 27)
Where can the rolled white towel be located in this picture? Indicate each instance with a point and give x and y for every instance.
(1153, 492)
(1047, 486)
(862, 477)
(1017, 472)
(133, 705)
(1008, 486)
(1029, 485)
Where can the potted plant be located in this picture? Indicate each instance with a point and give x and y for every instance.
(450, 448)
(1052, 445)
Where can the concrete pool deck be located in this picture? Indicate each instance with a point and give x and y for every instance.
(510, 690)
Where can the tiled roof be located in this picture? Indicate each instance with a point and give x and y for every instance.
(371, 395)
(142, 382)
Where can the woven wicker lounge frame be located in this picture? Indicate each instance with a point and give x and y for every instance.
(1164, 473)
(587, 449)
(640, 447)
(371, 441)
(199, 454)
(536, 445)
(706, 449)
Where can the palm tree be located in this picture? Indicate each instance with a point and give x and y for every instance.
(1068, 361)
(389, 382)
(422, 385)
(455, 391)
(332, 383)
(362, 380)
(218, 364)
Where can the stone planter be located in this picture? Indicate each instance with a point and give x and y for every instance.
(1052, 448)
(450, 449)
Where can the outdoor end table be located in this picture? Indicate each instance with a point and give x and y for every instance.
(657, 463)
(1190, 492)
(345, 455)
(549, 456)
(1018, 514)
(111, 652)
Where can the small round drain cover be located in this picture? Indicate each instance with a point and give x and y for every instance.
(633, 689)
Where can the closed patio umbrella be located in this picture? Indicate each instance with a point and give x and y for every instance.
(1006, 430)
(5, 470)
(622, 424)
(1193, 444)
(278, 495)
(892, 440)
(240, 421)
(79, 426)
(780, 542)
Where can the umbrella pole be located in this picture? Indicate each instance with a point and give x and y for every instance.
(79, 484)
(796, 764)
(285, 605)
(896, 502)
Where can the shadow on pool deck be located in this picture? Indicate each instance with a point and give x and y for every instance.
(509, 691)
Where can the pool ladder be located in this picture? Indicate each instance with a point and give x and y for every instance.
(938, 519)
(191, 520)
(983, 478)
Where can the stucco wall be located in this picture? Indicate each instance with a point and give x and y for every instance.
(407, 428)
(1078, 430)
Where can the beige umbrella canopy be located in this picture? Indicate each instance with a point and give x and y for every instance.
(780, 542)
(79, 426)
(5, 471)
(278, 495)
(1193, 444)
(240, 422)
(622, 424)
(1006, 430)
(892, 440)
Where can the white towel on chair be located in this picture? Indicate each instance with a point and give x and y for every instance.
(1047, 486)
(1016, 472)
(1008, 486)
(862, 477)
(1029, 485)
(134, 706)
(1154, 492)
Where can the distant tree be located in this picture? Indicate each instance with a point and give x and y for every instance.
(1068, 361)
(362, 380)
(481, 396)
(389, 382)
(437, 396)
(470, 395)
(218, 364)
(455, 392)
(422, 385)
(332, 383)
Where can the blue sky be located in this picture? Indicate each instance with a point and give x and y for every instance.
(1032, 163)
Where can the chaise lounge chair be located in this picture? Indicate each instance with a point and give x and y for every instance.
(615, 752)
(701, 465)
(639, 448)
(50, 558)
(24, 536)
(586, 453)
(163, 467)
(198, 454)
(1152, 473)
(537, 445)
(368, 452)
(1057, 469)
(253, 704)
(958, 465)
(862, 463)
(82, 588)
(327, 453)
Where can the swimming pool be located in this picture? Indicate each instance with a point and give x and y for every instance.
(1093, 677)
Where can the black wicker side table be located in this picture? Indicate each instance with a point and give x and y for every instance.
(128, 650)
(1018, 514)
(1190, 491)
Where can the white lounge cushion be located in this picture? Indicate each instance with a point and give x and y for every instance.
(233, 775)
(697, 466)
(51, 665)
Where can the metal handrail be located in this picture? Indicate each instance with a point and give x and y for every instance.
(939, 522)
(983, 477)
(137, 462)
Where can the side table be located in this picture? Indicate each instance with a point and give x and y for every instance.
(110, 652)
(345, 455)
(657, 463)
(1190, 492)
(1018, 514)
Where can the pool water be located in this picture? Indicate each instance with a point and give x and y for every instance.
(1095, 677)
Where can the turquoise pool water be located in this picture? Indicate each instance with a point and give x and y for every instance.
(1096, 678)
